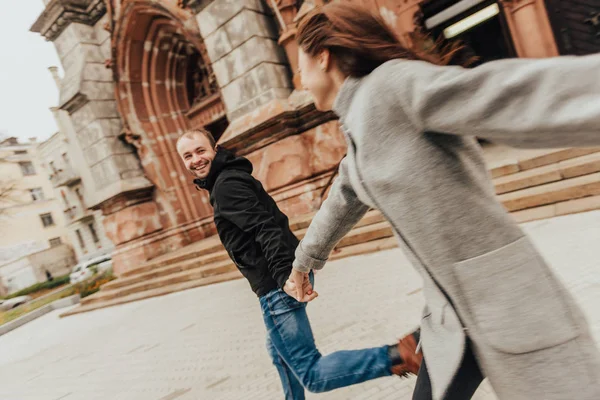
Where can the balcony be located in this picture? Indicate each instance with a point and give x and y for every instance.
(76, 213)
(64, 177)
(17, 158)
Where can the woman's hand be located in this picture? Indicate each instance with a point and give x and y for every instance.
(299, 287)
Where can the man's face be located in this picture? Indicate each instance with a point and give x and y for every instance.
(197, 154)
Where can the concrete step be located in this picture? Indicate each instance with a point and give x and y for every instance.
(367, 233)
(195, 256)
(558, 209)
(205, 246)
(301, 221)
(164, 271)
(221, 267)
(526, 179)
(161, 291)
(364, 248)
(370, 218)
(214, 251)
(567, 189)
(97, 302)
(540, 159)
(579, 166)
(148, 273)
(550, 173)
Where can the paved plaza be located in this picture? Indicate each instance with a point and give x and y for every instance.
(208, 343)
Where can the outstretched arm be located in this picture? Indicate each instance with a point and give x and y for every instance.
(552, 102)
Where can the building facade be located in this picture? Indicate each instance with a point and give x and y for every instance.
(36, 267)
(63, 159)
(139, 72)
(31, 218)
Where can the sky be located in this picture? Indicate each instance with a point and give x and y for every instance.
(27, 89)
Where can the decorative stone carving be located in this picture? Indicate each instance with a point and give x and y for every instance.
(60, 13)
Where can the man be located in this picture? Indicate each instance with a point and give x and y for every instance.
(258, 239)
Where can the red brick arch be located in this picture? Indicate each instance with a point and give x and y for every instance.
(157, 49)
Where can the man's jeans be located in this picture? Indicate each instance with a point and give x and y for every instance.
(291, 345)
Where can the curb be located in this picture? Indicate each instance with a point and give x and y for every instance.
(35, 314)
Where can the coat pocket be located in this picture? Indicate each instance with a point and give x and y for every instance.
(515, 300)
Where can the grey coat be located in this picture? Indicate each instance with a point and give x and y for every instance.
(482, 275)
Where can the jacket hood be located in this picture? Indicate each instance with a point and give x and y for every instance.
(224, 159)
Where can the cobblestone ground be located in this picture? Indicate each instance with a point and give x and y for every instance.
(208, 343)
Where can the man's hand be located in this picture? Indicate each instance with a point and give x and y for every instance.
(290, 289)
(303, 288)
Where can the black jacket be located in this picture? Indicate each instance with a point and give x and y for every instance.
(255, 233)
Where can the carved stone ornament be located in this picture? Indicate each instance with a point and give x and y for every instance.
(60, 13)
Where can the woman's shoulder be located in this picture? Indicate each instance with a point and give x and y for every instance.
(399, 68)
(383, 80)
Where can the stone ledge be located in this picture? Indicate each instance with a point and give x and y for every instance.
(271, 123)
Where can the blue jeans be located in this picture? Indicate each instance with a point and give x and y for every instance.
(291, 345)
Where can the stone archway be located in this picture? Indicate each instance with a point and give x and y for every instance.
(164, 85)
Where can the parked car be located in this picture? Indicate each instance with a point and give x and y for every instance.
(14, 302)
(86, 269)
(105, 265)
(80, 273)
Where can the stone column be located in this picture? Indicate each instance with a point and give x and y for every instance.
(286, 12)
(250, 67)
(530, 28)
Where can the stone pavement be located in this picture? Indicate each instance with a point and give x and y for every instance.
(208, 343)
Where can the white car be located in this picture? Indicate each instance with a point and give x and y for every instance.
(89, 268)
(13, 303)
(80, 273)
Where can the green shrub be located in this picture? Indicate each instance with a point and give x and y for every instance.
(92, 286)
(58, 281)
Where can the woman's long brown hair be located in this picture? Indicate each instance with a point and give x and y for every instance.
(360, 41)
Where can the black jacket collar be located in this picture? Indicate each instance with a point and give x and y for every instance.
(224, 159)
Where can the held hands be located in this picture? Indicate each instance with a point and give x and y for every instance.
(299, 287)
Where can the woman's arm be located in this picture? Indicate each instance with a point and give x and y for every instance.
(339, 213)
(552, 102)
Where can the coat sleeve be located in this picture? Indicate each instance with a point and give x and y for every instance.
(338, 214)
(239, 203)
(553, 102)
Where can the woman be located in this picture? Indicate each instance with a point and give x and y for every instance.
(494, 308)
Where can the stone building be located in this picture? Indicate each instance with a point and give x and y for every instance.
(63, 158)
(31, 219)
(140, 72)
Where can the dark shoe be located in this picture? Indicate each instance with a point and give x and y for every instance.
(405, 358)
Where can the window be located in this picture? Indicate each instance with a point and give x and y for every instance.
(65, 158)
(55, 242)
(17, 152)
(80, 197)
(80, 239)
(27, 168)
(94, 233)
(53, 167)
(37, 194)
(47, 220)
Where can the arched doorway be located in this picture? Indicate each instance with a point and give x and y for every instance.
(164, 85)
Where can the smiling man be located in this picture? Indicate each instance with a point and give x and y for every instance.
(257, 236)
